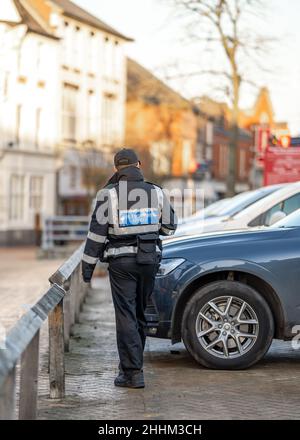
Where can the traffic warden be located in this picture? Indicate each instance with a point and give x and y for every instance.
(128, 217)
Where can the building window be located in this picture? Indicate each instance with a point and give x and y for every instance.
(242, 164)
(161, 160)
(209, 136)
(38, 115)
(108, 119)
(42, 62)
(69, 115)
(108, 59)
(93, 53)
(19, 117)
(39, 56)
(223, 160)
(186, 158)
(4, 85)
(92, 120)
(16, 211)
(78, 48)
(117, 59)
(67, 45)
(36, 193)
(73, 176)
(24, 51)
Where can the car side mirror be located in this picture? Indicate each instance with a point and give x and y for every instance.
(275, 217)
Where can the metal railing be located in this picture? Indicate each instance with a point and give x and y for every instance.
(61, 305)
(63, 229)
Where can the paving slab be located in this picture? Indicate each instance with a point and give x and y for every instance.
(176, 386)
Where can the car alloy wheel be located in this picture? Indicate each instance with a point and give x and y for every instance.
(227, 327)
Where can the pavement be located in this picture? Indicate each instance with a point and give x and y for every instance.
(23, 280)
(176, 386)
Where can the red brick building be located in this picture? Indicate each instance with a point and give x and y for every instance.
(214, 138)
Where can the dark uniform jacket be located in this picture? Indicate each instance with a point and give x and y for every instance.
(128, 208)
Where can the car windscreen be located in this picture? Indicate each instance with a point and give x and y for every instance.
(291, 221)
(243, 200)
(213, 209)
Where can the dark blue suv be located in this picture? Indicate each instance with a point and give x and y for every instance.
(227, 295)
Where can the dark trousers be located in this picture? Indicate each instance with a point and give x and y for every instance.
(131, 286)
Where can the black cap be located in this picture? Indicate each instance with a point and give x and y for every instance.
(126, 156)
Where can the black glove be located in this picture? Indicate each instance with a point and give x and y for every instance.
(86, 279)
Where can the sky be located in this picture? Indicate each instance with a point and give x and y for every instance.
(156, 44)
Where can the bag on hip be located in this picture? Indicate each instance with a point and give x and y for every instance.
(146, 249)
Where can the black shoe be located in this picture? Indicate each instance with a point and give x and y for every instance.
(135, 380)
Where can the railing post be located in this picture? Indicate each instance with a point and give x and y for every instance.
(83, 286)
(67, 316)
(77, 292)
(44, 234)
(73, 298)
(8, 397)
(56, 352)
(29, 380)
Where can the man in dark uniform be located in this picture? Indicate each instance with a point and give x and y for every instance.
(128, 218)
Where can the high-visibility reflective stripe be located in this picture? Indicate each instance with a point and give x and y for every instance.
(96, 237)
(138, 217)
(115, 230)
(160, 196)
(112, 252)
(102, 194)
(88, 259)
(121, 250)
(114, 205)
(167, 231)
(138, 229)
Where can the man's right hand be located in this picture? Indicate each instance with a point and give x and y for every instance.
(86, 280)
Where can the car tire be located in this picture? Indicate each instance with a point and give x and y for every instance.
(248, 315)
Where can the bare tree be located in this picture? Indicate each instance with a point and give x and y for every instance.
(94, 168)
(223, 26)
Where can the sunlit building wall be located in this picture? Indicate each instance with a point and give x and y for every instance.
(62, 89)
(28, 126)
(93, 94)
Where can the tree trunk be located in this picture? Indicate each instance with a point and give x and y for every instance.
(232, 159)
(234, 136)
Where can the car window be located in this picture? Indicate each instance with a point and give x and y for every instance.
(291, 221)
(213, 209)
(287, 206)
(257, 221)
(242, 201)
(270, 212)
(291, 204)
(264, 219)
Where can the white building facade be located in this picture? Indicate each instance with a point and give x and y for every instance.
(62, 92)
